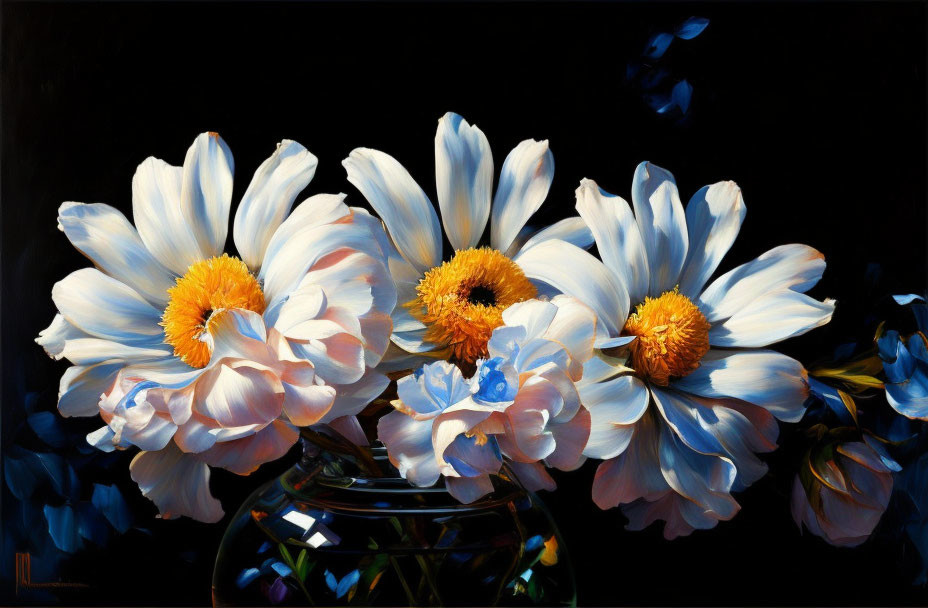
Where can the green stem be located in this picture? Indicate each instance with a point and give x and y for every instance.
(399, 573)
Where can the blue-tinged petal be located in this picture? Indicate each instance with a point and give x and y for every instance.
(772, 318)
(658, 45)
(330, 581)
(615, 406)
(91, 524)
(471, 457)
(246, 577)
(898, 362)
(910, 397)
(400, 202)
(469, 489)
(206, 192)
(691, 28)
(903, 300)
(436, 387)
(713, 218)
(635, 473)
(177, 483)
(662, 222)
(463, 179)
(62, 526)
(524, 181)
(47, 426)
(690, 422)
(571, 230)
(348, 581)
(681, 94)
(409, 447)
(110, 502)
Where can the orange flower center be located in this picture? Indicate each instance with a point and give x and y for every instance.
(672, 336)
(462, 301)
(207, 288)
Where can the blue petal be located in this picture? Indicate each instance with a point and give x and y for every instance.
(91, 524)
(830, 397)
(112, 505)
(534, 543)
(282, 569)
(492, 383)
(691, 28)
(62, 525)
(900, 365)
(349, 581)
(330, 580)
(47, 426)
(658, 45)
(246, 577)
(908, 299)
(20, 477)
(681, 95)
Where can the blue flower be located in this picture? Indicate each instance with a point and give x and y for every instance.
(905, 363)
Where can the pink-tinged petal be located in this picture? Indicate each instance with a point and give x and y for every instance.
(237, 394)
(269, 197)
(306, 405)
(527, 419)
(350, 428)
(794, 267)
(574, 327)
(570, 398)
(765, 378)
(206, 192)
(376, 328)
(532, 476)
(469, 489)
(244, 456)
(633, 474)
(615, 406)
(456, 420)
(662, 222)
(338, 359)
(409, 447)
(470, 457)
(177, 483)
(571, 438)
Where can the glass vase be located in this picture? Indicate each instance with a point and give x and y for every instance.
(341, 527)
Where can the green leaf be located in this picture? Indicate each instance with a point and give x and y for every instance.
(302, 566)
(285, 554)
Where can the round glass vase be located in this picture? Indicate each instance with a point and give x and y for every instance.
(341, 527)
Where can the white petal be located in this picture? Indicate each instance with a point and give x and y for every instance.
(635, 473)
(662, 223)
(238, 396)
(353, 398)
(575, 272)
(269, 197)
(469, 489)
(571, 438)
(765, 378)
(244, 456)
(206, 192)
(103, 307)
(524, 181)
(614, 406)
(54, 337)
(81, 388)
(618, 238)
(306, 405)
(338, 359)
(400, 202)
(88, 351)
(795, 267)
(527, 420)
(771, 318)
(159, 217)
(571, 230)
(105, 236)
(574, 327)
(433, 388)
(713, 218)
(177, 483)
(317, 210)
(463, 179)
(409, 446)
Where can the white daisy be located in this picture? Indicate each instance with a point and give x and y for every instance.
(451, 308)
(679, 427)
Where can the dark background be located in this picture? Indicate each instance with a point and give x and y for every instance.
(816, 110)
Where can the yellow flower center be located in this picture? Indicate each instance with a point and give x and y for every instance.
(462, 301)
(672, 336)
(209, 286)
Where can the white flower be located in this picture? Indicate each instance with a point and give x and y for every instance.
(694, 351)
(203, 358)
(451, 308)
(521, 404)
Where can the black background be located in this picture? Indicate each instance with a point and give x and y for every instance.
(816, 110)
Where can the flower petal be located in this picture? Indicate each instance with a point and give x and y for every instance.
(572, 230)
(662, 223)
(409, 447)
(244, 456)
(463, 178)
(575, 272)
(772, 318)
(81, 388)
(618, 237)
(269, 197)
(433, 388)
(532, 476)
(571, 438)
(206, 192)
(469, 489)
(524, 181)
(633, 474)
(400, 202)
(762, 377)
(713, 218)
(177, 483)
(238, 395)
(795, 267)
(106, 308)
(353, 398)
(158, 215)
(615, 405)
(105, 236)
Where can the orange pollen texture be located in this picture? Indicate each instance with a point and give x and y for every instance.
(672, 337)
(462, 301)
(219, 283)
